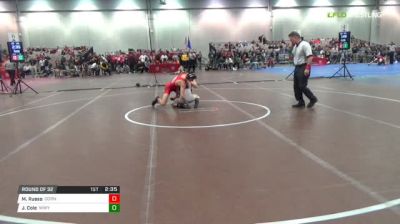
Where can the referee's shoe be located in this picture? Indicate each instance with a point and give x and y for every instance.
(312, 103)
(299, 105)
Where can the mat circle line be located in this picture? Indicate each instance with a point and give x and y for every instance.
(268, 112)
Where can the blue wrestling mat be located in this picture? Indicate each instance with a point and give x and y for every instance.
(357, 70)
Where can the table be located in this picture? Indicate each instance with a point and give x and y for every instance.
(164, 68)
(3, 73)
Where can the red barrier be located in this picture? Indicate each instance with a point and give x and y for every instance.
(3, 73)
(164, 68)
(319, 61)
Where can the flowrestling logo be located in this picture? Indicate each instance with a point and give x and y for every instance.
(337, 14)
(341, 15)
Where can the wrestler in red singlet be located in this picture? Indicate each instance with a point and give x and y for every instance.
(177, 85)
(172, 86)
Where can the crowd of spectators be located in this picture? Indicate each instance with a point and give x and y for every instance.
(251, 55)
(84, 61)
(262, 53)
(361, 51)
(140, 60)
(46, 62)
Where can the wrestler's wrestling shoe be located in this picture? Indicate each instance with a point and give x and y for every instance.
(196, 103)
(155, 101)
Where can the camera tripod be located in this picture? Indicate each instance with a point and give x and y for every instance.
(20, 82)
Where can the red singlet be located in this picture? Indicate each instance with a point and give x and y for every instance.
(171, 86)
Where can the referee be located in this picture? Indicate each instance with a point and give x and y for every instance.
(302, 60)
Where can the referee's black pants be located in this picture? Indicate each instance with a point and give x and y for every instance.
(300, 83)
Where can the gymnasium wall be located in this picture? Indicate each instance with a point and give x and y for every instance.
(105, 31)
(204, 26)
(54, 23)
(228, 20)
(109, 30)
(322, 22)
(389, 25)
(8, 22)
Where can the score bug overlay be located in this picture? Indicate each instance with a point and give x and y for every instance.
(68, 199)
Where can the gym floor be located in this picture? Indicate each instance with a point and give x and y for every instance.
(244, 157)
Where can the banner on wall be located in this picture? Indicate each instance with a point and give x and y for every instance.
(188, 44)
(344, 14)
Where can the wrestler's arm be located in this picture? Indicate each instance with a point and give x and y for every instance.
(194, 84)
(182, 89)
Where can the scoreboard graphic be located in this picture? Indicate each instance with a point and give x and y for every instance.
(344, 40)
(69, 199)
(16, 51)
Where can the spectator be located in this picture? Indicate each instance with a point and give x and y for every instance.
(41, 65)
(236, 62)
(199, 57)
(26, 70)
(192, 62)
(130, 61)
(175, 58)
(229, 63)
(164, 58)
(392, 50)
(185, 61)
(142, 62)
(10, 68)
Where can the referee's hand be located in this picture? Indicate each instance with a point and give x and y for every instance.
(307, 72)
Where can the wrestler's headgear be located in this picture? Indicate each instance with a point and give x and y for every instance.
(191, 76)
